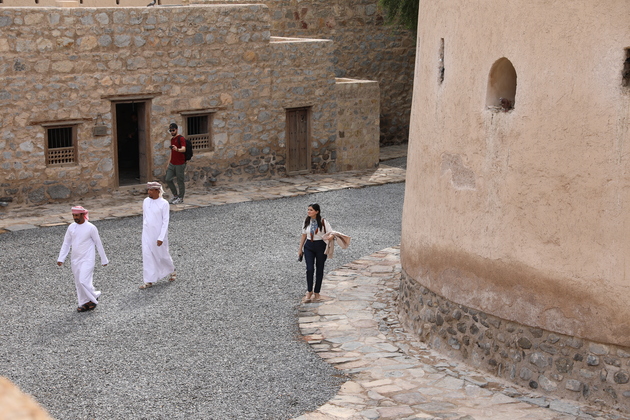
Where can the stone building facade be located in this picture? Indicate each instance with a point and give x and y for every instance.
(364, 48)
(88, 94)
(515, 239)
(358, 103)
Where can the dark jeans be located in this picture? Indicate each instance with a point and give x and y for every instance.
(315, 259)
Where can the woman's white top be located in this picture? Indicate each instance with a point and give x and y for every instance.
(318, 236)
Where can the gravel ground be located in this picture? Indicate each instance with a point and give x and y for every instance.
(398, 162)
(219, 343)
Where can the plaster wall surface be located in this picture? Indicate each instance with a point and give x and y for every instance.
(523, 214)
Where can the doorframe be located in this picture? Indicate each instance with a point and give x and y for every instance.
(146, 104)
(308, 110)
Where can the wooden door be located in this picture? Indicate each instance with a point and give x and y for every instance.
(298, 159)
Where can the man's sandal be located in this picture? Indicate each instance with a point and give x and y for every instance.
(86, 307)
(145, 286)
(173, 277)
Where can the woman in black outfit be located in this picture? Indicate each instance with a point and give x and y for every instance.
(312, 247)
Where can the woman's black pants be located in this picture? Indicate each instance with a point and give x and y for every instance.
(315, 259)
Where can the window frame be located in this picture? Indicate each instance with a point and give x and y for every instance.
(200, 144)
(74, 155)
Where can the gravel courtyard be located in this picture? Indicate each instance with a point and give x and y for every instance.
(219, 343)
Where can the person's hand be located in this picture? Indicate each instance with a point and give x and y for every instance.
(59, 263)
(159, 243)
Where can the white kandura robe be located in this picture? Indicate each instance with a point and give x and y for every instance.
(83, 239)
(156, 260)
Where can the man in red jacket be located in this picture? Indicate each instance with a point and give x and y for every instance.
(177, 165)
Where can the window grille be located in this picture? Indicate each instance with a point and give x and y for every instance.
(198, 131)
(61, 148)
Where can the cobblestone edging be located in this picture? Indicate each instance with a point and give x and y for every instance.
(546, 362)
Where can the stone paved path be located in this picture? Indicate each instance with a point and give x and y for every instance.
(392, 376)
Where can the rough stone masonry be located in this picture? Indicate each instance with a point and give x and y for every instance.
(69, 66)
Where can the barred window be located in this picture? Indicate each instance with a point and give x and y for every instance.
(61, 146)
(198, 131)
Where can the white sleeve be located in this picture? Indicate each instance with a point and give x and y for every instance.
(99, 246)
(165, 219)
(144, 210)
(65, 248)
(327, 225)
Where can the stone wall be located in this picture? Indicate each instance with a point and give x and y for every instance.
(540, 360)
(365, 48)
(69, 64)
(357, 124)
(75, 3)
(88, 3)
(297, 80)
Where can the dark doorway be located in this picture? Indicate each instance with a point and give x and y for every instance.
(131, 143)
(298, 160)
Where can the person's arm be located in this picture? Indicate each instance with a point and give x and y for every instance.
(302, 240)
(328, 235)
(165, 219)
(99, 247)
(65, 248)
(181, 149)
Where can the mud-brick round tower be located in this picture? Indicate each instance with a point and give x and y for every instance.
(516, 223)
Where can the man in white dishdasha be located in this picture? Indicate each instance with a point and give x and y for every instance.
(156, 259)
(82, 236)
